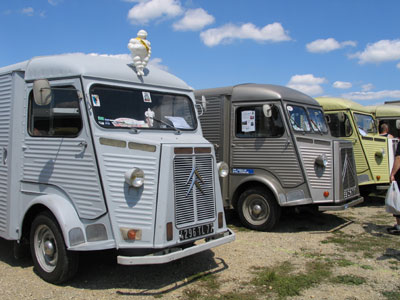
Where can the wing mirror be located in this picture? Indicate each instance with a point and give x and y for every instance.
(267, 110)
(42, 92)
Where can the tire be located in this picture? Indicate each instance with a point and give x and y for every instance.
(258, 209)
(52, 261)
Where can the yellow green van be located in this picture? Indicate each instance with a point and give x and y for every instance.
(389, 114)
(352, 121)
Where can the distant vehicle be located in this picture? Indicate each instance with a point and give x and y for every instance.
(354, 122)
(279, 151)
(389, 114)
(95, 157)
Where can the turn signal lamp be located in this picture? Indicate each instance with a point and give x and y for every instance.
(131, 234)
(326, 194)
(220, 219)
(170, 233)
(378, 177)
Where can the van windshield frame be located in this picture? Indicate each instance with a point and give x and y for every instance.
(117, 107)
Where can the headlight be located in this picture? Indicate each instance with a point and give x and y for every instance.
(321, 161)
(223, 169)
(134, 177)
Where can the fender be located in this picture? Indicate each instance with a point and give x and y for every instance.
(269, 181)
(63, 211)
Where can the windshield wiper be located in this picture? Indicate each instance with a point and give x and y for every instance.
(168, 125)
(315, 124)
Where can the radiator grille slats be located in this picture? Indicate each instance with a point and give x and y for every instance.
(349, 173)
(194, 190)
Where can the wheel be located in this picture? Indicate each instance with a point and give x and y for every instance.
(258, 209)
(52, 261)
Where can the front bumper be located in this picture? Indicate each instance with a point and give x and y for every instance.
(341, 206)
(172, 254)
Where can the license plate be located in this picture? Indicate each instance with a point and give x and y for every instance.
(197, 231)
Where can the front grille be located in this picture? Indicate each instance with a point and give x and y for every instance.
(194, 190)
(349, 174)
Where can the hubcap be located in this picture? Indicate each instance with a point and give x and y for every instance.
(45, 246)
(256, 209)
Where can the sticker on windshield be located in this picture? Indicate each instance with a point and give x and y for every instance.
(289, 108)
(146, 97)
(95, 100)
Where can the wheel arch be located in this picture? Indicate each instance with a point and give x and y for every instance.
(255, 181)
(61, 209)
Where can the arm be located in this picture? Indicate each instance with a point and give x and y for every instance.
(396, 167)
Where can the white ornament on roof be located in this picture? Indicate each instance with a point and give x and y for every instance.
(140, 51)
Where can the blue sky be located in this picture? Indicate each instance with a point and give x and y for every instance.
(340, 48)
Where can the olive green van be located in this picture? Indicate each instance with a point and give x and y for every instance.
(352, 121)
(389, 114)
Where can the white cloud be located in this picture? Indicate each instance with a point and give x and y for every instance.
(367, 87)
(342, 85)
(307, 84)
(226, 34)
(394, 94)
(147, 10)
(398, 65)
(29, 11)
(156, 62)
(384, 50)
(194, 19)
(327, 45)
(54, 2)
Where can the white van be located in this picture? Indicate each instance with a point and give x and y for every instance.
(95, 157)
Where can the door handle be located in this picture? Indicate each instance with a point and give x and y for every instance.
(83, 144)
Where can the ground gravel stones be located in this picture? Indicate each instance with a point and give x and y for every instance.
(363, 262)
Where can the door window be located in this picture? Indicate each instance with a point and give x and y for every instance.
(261, 121)
(60, 118)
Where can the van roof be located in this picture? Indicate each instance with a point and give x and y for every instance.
(252, 92)
(95, 66)
(329, 103)
(385, 110)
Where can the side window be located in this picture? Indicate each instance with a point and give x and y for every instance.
(339, 124)
(259, 121)
(60, 118)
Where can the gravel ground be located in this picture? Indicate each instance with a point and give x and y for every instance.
(298, 237)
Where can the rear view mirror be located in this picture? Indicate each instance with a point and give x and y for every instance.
(202, 106)
(267, 110)
(398, 124)
(42, 92)
(341, 116)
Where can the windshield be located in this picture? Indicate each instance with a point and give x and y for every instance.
(116, 107)
(365, 124)
(298, 118)
(317, 120)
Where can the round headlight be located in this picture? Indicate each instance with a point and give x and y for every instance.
(223, 169)
(134, 177)
(321, 161)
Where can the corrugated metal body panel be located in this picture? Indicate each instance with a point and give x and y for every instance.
(309, 152)
(5, 115)
(212, 123)
(194, 190)
(65, 164)
(132, 208)
(379, 166)
(359, 157)
(275, 155)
